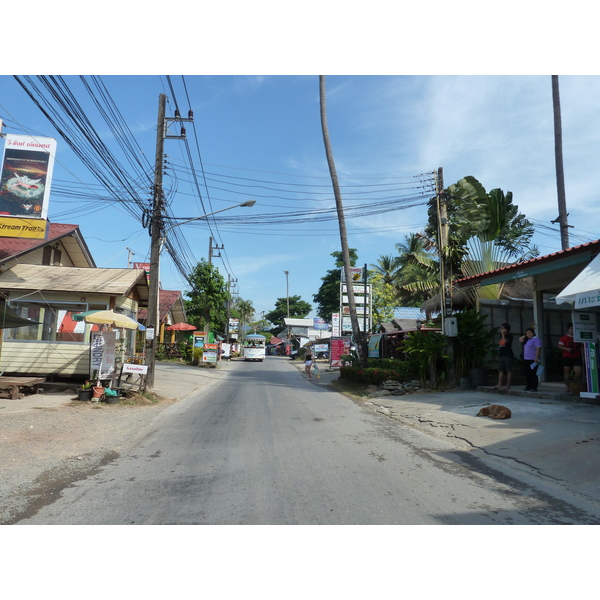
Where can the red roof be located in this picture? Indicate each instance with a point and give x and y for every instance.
(166, 301)
(12, 247)
(547, 258)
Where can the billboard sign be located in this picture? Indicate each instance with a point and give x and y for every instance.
(320, 324)
(27, 165)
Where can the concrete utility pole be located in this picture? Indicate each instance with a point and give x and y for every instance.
(156, 228)
(287, 292)
(211, 248)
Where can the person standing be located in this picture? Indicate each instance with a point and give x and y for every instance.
(571, 357)
(532, 350)
(505, 356)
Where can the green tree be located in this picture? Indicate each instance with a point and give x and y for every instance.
(208, 297)
(299, 309)
(486, 231)
(244, 311)
(384, 299)
(327, 298)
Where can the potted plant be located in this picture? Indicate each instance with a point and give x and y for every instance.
(85, 392)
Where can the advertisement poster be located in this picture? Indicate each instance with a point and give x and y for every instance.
(210, 353)
(339, 346)
(234, 326)
(103, 353)
(26, 176)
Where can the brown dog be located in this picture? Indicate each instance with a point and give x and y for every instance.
(495, 411)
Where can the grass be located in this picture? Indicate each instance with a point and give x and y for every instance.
(351, 389)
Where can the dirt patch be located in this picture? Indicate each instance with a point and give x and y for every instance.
(44, 451)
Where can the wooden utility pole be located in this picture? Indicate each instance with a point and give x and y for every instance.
(560, 175)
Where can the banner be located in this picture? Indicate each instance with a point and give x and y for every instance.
(27, 165)
(103, 353)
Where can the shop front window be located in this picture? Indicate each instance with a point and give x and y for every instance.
(56, 322)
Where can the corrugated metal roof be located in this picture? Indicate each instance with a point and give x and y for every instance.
(540, 260)
(409, 312)
(168, 300)
(115, 282)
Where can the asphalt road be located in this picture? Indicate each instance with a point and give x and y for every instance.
(258, 444)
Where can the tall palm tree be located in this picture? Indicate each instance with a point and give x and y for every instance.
(560, 174)
(387, 267)
(246, 312)
(342, 225)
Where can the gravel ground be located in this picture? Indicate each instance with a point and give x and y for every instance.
(43, 451)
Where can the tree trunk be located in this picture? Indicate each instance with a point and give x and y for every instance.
(560, 175)
(342, 225)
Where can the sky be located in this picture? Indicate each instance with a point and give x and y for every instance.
(260, 137)
(405, 96)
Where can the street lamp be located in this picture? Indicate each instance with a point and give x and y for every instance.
(153, 291)
(247, 203)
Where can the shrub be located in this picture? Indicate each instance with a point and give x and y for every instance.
(371, 376)
(423, 350)
(405, 368)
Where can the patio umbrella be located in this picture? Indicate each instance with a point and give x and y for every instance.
(110, 317)
(181, 327)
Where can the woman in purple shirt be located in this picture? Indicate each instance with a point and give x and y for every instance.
(532, 349)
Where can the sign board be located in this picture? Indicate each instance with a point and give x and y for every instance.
(320, 347)
(210, 354)
(357, 289)
(355, 272)
(149, 333)
(374, 345)
(145, 267)
(335, 325)
(591, 364)
(320, 324)
(357, 300)
(585, 300)
(199, 340)
(347, 324)
(139, 369)
(103, 353)
(339, 346)
(26, 176)
(584, 326)
(23, 228)
(360, 310)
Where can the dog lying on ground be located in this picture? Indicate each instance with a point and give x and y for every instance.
(495, 411)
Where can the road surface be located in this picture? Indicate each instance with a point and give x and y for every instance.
(259, 444)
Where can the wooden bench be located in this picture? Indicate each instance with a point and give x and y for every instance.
(11, 386)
